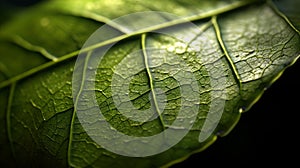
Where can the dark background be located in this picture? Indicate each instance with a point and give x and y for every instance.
(267, 135)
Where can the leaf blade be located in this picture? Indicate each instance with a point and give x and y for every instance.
(24, 77)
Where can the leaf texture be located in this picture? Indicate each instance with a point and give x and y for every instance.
(251, 44)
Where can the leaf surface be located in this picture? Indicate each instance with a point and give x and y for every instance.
(250, 44)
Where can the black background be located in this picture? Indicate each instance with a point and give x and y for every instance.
(266, 135)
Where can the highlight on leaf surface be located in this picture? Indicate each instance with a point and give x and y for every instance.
(69, 69)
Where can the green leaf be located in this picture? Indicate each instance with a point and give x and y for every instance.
(250, 44)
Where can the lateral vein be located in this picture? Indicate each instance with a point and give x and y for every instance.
(18, 40)
(224, 49)
(100, 18)
(8, 118)
(75, 105)
(153, 94)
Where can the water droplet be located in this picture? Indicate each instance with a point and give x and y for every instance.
(242, 109)
(180, 48)
(171, 49)
(190, 50)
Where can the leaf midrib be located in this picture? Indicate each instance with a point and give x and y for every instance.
(175, 22)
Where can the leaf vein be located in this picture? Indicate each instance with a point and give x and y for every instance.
(226, 53)
(18, 40)
(98, 18)
(75, 106)
(151, 82)
(8, 118)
